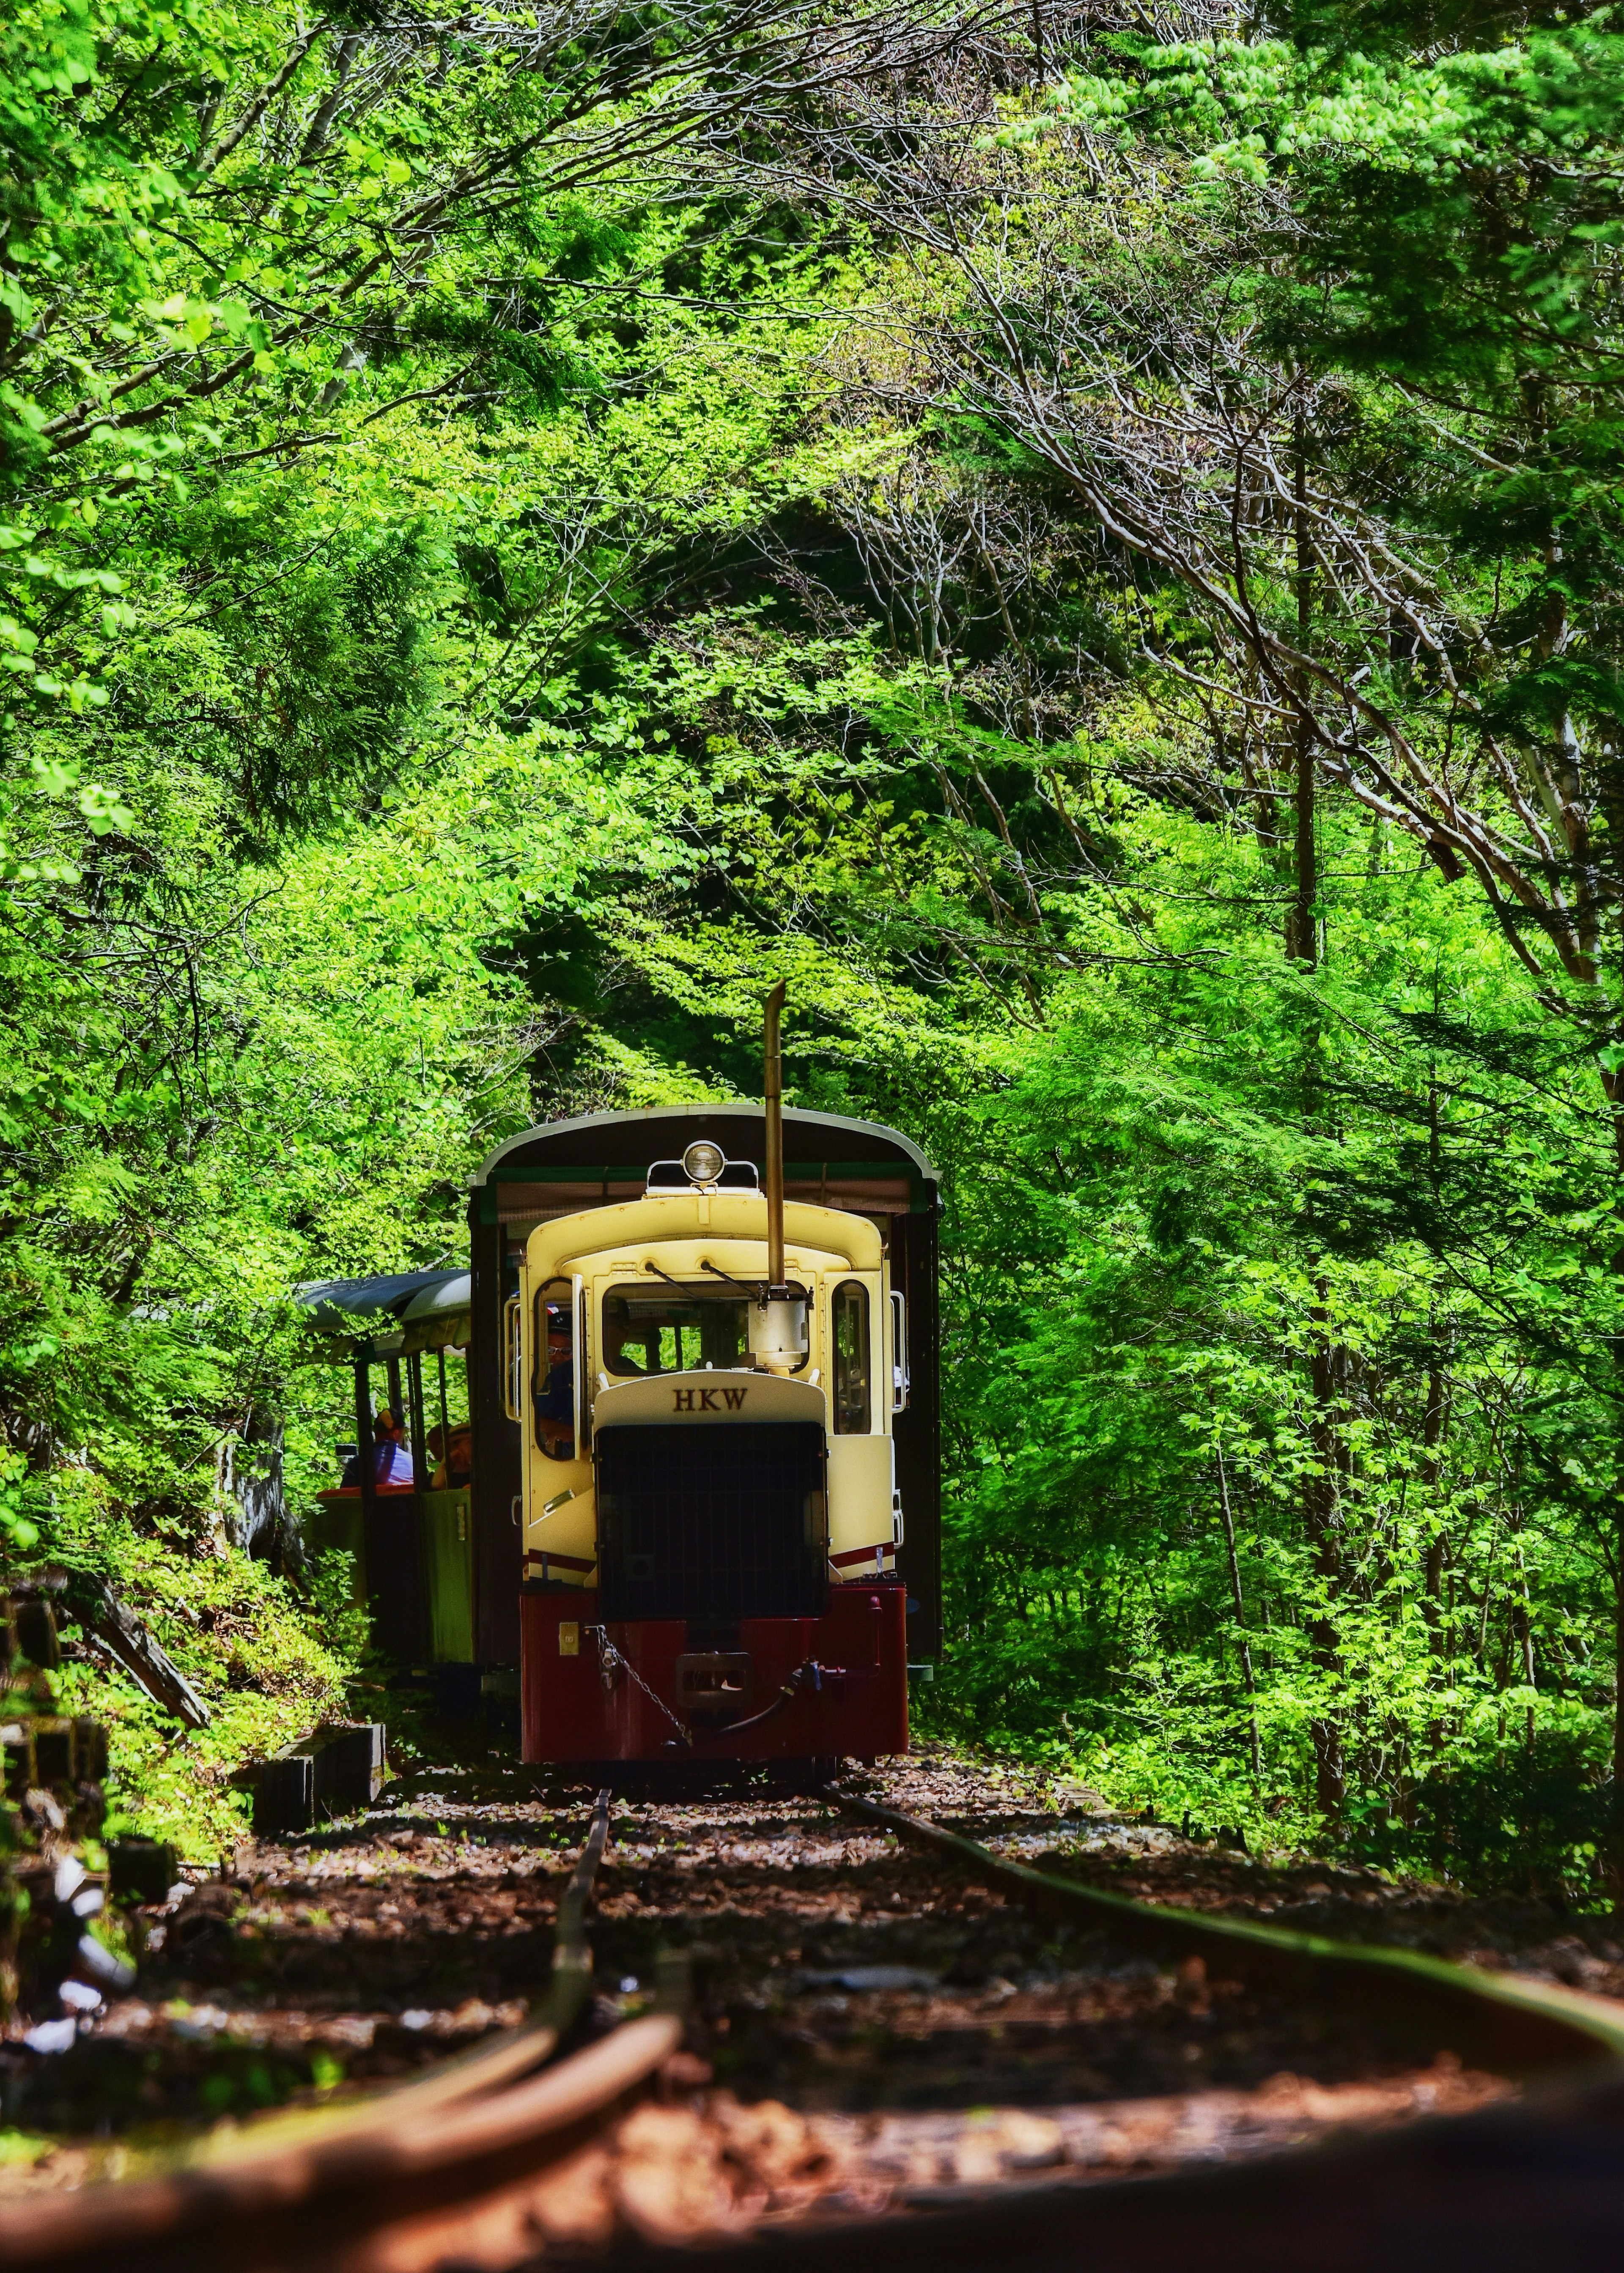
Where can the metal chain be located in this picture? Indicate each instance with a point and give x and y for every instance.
(609, 1656)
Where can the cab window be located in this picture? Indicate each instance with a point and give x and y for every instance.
(674, 1331)
(552, 1372)
(849, 1319)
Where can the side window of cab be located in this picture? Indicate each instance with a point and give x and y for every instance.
(849, 1335)
(552, 1372)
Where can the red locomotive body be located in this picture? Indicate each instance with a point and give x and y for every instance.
(787, 1689)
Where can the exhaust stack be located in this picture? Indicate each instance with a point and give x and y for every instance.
(773, 1091)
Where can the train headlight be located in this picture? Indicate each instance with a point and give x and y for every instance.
(704, 1162)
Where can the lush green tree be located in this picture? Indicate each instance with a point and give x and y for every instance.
(522, 530)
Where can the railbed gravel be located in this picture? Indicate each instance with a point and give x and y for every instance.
(870, 2029)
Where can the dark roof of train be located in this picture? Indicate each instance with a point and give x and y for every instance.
(338, 1299)
(634, 1139)
(428, 1307)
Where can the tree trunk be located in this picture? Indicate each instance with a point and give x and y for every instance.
(1302, 939)
(1522, 1633)
(1320, 1508)
(1321, 1517)
(1612, 1089)
(1240, 1619)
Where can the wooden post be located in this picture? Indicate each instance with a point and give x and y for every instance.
(419, 1432)
(369, 1475)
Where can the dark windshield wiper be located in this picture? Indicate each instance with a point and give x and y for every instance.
(756, 1293)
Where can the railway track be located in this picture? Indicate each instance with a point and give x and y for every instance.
(588, 2130)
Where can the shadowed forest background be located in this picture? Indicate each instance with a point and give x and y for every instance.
(1086, 542)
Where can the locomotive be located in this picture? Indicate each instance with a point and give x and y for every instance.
(701, 1522)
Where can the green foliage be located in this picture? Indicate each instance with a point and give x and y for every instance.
(481, 607)
(247, 1645)
(1153, 1242)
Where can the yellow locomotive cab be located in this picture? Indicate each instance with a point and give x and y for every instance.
(666, 1299)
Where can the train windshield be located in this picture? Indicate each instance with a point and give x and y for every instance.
(675, 1331)
(672, 1329)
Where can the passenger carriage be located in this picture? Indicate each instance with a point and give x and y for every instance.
(412, 1549)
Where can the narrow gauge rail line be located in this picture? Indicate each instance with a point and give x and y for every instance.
(395, 2183)
(316, 2185)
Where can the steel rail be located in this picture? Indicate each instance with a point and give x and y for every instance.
(1535, 2183)
(1520, 2027)
(464, 2075)
(1471, 2194)
(1444, 2194)
(300, 2186)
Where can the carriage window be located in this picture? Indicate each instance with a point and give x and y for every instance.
(849, 1315)
(553, 1377)
(674, 1331)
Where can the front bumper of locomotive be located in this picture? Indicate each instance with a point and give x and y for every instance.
(669, 1689)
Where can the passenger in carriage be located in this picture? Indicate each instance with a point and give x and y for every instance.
(392, 1468)
(453, 1457)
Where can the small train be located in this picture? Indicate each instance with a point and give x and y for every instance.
(700, 1519)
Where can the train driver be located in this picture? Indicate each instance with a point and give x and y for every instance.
(555, 1404)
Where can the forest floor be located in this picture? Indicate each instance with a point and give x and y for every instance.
(869, 2029)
